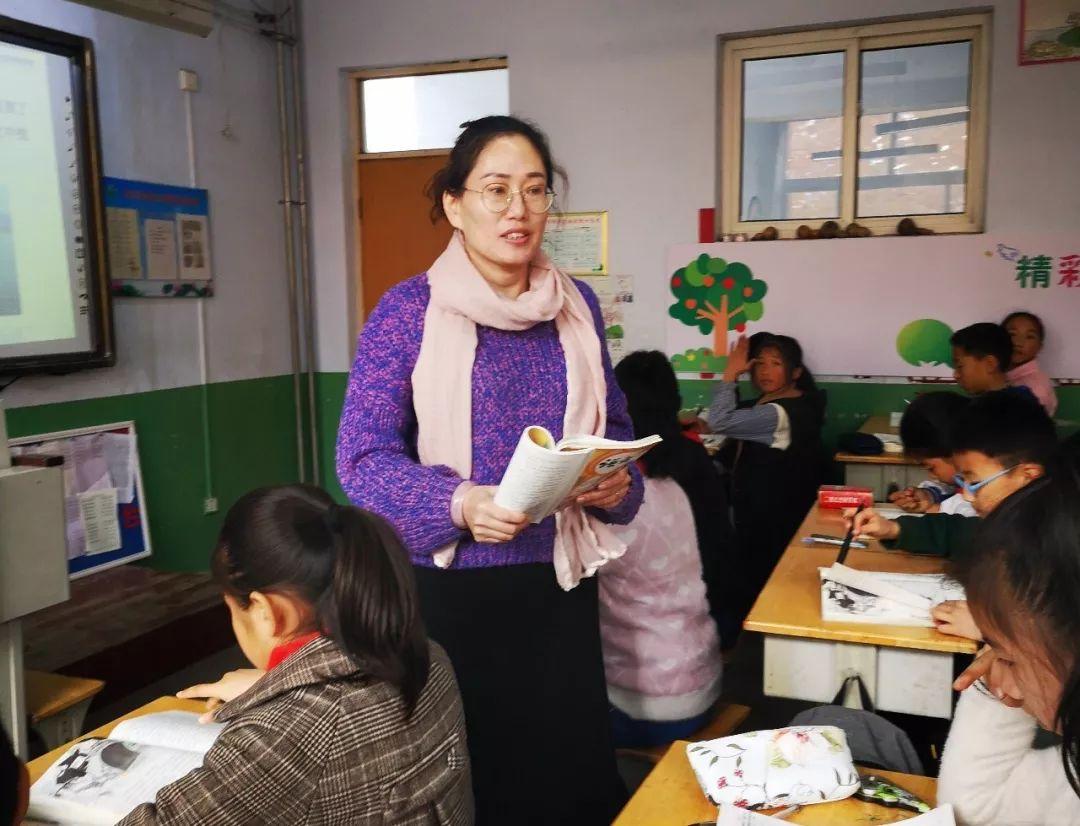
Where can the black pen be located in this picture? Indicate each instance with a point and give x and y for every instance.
(847, 539)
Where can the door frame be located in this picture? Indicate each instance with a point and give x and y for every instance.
(354, 101)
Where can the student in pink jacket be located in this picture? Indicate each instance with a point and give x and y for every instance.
(660, 640)
(1028, 334)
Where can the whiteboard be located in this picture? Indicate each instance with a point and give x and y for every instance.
(98, 460)
(847, 300)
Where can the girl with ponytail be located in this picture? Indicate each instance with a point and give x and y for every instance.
(350, 714)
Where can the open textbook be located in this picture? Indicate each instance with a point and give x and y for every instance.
(849, 595)
(542, 474)
(101, 781)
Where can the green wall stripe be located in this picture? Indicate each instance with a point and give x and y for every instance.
(849, 405)
(252, 444)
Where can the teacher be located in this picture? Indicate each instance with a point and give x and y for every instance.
(452, 366)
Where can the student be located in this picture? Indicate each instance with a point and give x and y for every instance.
(14, 784)
(924, 430)
(982, 354)
(357, 717)
(652, 393)
(1001, 442)
(661, 647)
(1022, 587)
(775, 455)
(1028, 335)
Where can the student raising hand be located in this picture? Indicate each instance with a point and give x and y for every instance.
(739, 360)
(954, 617)
(870, 523)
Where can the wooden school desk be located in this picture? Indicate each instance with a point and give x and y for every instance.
(671, 796)
(878, 472)
(905, 669)
(58, 704)
(39, 766)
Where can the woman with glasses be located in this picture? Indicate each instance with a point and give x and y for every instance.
(452, 365)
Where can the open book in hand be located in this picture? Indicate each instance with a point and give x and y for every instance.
(543, 473)
(101, 781)
(849, 595)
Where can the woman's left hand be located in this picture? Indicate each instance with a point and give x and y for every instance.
(608, 493)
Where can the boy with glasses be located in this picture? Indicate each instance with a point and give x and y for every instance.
(1000, 443)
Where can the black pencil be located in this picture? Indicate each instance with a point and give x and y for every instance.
(847, 539)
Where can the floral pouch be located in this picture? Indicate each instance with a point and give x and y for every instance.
(762, 769)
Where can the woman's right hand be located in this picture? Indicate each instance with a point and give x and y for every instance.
(487, 521)
(871, 523)
(229, 687)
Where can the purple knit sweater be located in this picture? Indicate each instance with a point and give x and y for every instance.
(519, 379)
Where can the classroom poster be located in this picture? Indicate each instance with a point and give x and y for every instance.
(615, 293)
(870, 306)
(1049, 31)
(577, 242)
(159, 240)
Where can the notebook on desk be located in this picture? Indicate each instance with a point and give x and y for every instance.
(884, 598)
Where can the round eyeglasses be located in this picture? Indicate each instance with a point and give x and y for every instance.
(498, 197)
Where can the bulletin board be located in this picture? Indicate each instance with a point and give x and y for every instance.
(871, 306)
(105, 508)
(159, 239)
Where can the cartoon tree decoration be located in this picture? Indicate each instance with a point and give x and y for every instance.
(925, 342)
(716, 297)
(701, 360)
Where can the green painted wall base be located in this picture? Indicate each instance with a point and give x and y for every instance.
(253, 443)
(849, 405)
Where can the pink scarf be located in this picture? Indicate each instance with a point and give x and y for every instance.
(442, 384)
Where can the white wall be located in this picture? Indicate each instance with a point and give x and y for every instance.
(626, 91)
(143, 130)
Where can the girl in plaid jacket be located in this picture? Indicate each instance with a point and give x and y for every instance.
(351, 715)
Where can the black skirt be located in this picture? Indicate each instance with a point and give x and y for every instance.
(528, 660)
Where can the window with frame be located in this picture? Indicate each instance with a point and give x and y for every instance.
(867, 124)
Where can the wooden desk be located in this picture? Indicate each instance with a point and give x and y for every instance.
(129, 615)
(38, 767)
(878, 472)
(58, 704)
(905, 669)
(671, 796)
(790, 604)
